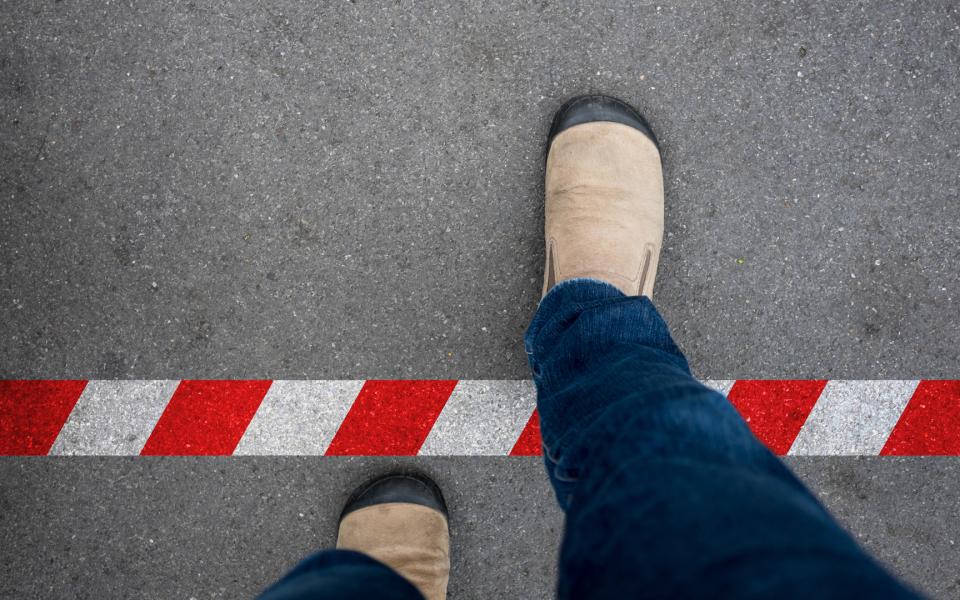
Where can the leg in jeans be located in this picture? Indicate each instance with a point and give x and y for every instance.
(342, 575)
(666, 491)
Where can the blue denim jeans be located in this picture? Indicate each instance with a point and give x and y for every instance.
(667, 493)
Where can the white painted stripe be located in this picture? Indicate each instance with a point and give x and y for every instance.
(482, 417)
(853, 417)
(721, 385)
(114, 417)
(299, 417)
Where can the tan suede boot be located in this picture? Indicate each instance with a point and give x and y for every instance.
(401, 520)
(604, 196)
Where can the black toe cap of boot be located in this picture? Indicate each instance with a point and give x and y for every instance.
(591, 108)
(410, 488)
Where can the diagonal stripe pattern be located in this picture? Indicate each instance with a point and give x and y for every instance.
(299, 417)
(436, 417)
(482, 418)
(114, 417)
(842, 423)
(390, 418)
(930, 424)
(775, 410)
(205, 418)
(33, 412)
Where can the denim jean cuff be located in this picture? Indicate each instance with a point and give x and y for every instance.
(581, 290)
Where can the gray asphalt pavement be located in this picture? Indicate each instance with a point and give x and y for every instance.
(227, 527)
(353, 189)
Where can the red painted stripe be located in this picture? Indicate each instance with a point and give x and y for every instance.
(930, 424)
(775, 410)
(205, 418)
(529, 444)
(33, 412)
(391, 418)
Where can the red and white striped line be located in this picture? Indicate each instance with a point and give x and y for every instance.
(436, 417)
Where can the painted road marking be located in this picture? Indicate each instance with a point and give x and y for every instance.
(32, 413)
(774, 409)
(482, 418)
(205, 418)
(853, 417)
(299, 417)
(438, 418)
(391, 418)
(721, 385)
(930, 424)
(114, 417)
